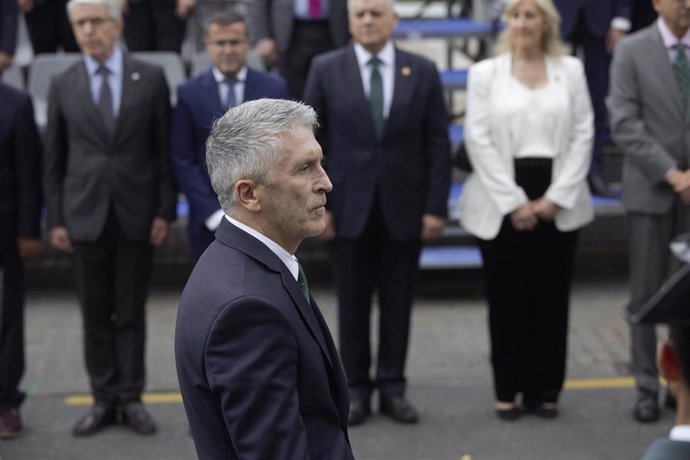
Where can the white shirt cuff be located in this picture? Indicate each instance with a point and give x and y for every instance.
(213, 222)
(622, 24)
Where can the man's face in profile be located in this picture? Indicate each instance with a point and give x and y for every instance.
(294, 195)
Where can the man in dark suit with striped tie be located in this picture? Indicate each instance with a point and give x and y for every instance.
(110, 198)
(200, 101)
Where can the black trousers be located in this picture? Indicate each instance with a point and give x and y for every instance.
(528, 277)
(309, 38)
(375, 261)
(112, 278)
(152, 25)
(49, 28)
(11, 316)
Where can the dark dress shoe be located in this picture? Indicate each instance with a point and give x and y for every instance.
(98, 417)
(509, 415)
(646, 408)
(398, 409)
(360, 410)
(10, 423)
(540, 410)
(138, 418)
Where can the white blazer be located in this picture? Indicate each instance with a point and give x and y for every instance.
(490, 191)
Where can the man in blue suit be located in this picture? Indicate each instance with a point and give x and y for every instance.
(595, 26)
(384, 131)
(200, 101)
(20, 217)
(258, 370)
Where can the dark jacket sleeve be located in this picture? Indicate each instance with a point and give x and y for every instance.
(167, 190)
(27, 150)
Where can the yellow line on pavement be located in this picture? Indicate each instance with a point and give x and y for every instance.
(173, 397)
(148, 398)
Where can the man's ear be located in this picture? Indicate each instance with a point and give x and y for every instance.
(668, 362)
(246, 195)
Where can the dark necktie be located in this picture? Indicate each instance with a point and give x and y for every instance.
(376, 96)
(302, 281)
(230, 100)
(682, 69)
(105, 101)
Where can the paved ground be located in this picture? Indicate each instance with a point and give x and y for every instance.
(449, 381)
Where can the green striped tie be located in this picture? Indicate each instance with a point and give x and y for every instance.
(302, 281)
(376, 96)
(682, 70)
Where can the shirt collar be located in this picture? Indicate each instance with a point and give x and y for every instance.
(220, 77)
(113, 64)
(680, 433)
(386, 55)
(288, 259)
(669, 39)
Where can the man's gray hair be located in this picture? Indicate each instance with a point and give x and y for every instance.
(245, 143)
(114, 10)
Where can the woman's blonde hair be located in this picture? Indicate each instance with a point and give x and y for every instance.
(552, 45)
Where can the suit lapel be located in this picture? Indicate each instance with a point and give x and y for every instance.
(404, 78)
(211, 93)
(252, 89)
(353, 80)
(663, 69)
(131, 80)
(82, 85)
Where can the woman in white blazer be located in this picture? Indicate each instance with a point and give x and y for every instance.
(528, 133)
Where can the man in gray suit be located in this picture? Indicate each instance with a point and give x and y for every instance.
(110, 198)
(290, 33)
(650, 121)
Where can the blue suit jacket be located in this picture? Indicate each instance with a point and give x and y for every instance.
(598, 14)
(408, 169)
(259, 373)
(198, 105)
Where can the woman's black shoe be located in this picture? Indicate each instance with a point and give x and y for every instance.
(509, 414)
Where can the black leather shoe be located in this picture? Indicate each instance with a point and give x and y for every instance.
(646, 408)
(138, 418)
(544, 411)
(398, 409)
(509, 415)
(360, 410)
(98, 417)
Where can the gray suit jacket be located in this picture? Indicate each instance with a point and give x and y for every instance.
(648, 121)
(666, 449)
(86, 172)
(274, 19)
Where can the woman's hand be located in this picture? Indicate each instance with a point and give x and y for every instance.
(545, 209)
(523, 218)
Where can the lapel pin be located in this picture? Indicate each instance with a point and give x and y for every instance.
(406, 71)
(135, 76)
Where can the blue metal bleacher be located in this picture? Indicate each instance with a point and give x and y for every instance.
(445, 28)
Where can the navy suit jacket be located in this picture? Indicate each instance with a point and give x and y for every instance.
(598, 15)
(408, 169)
(20, 170)
(259, 373)
(198, 105)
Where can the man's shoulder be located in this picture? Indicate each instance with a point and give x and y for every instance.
(266, 79)
(637, 39)
(12, 97)
(417, 59)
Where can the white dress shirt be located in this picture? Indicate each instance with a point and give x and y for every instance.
(224, 87)
(115, 69)
(288, 259)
